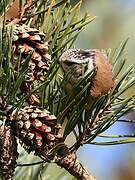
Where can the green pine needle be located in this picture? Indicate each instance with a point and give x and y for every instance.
(62, 24)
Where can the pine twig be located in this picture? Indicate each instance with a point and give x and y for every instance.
(68, 160)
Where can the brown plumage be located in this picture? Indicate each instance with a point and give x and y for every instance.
(103, 80)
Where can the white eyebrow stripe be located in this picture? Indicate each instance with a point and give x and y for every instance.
(77, 60)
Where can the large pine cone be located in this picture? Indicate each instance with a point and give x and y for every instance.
(36, 128)
(8, 152)
(28, 40)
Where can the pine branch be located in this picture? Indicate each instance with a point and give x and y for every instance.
(70, 162)
(87, 118)
(67, 160)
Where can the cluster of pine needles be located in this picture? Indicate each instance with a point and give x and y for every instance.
(61, 22)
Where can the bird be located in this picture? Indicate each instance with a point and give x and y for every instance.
(80, 62)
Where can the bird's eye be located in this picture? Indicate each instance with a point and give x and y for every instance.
(68, 63)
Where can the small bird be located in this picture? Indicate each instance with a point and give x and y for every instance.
(81, 62)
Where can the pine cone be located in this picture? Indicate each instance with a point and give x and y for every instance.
(8, 153)
(28, 40)
(36, 128)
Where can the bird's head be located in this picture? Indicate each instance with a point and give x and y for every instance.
(77, 61)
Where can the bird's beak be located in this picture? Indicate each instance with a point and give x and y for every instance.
(59, 60)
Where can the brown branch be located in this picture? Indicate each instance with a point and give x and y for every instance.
(66, 159)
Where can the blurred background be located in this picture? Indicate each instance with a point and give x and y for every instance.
(115, 22)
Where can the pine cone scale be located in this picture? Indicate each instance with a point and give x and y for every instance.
(8, 153)
(36, 127)
(27, 41)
